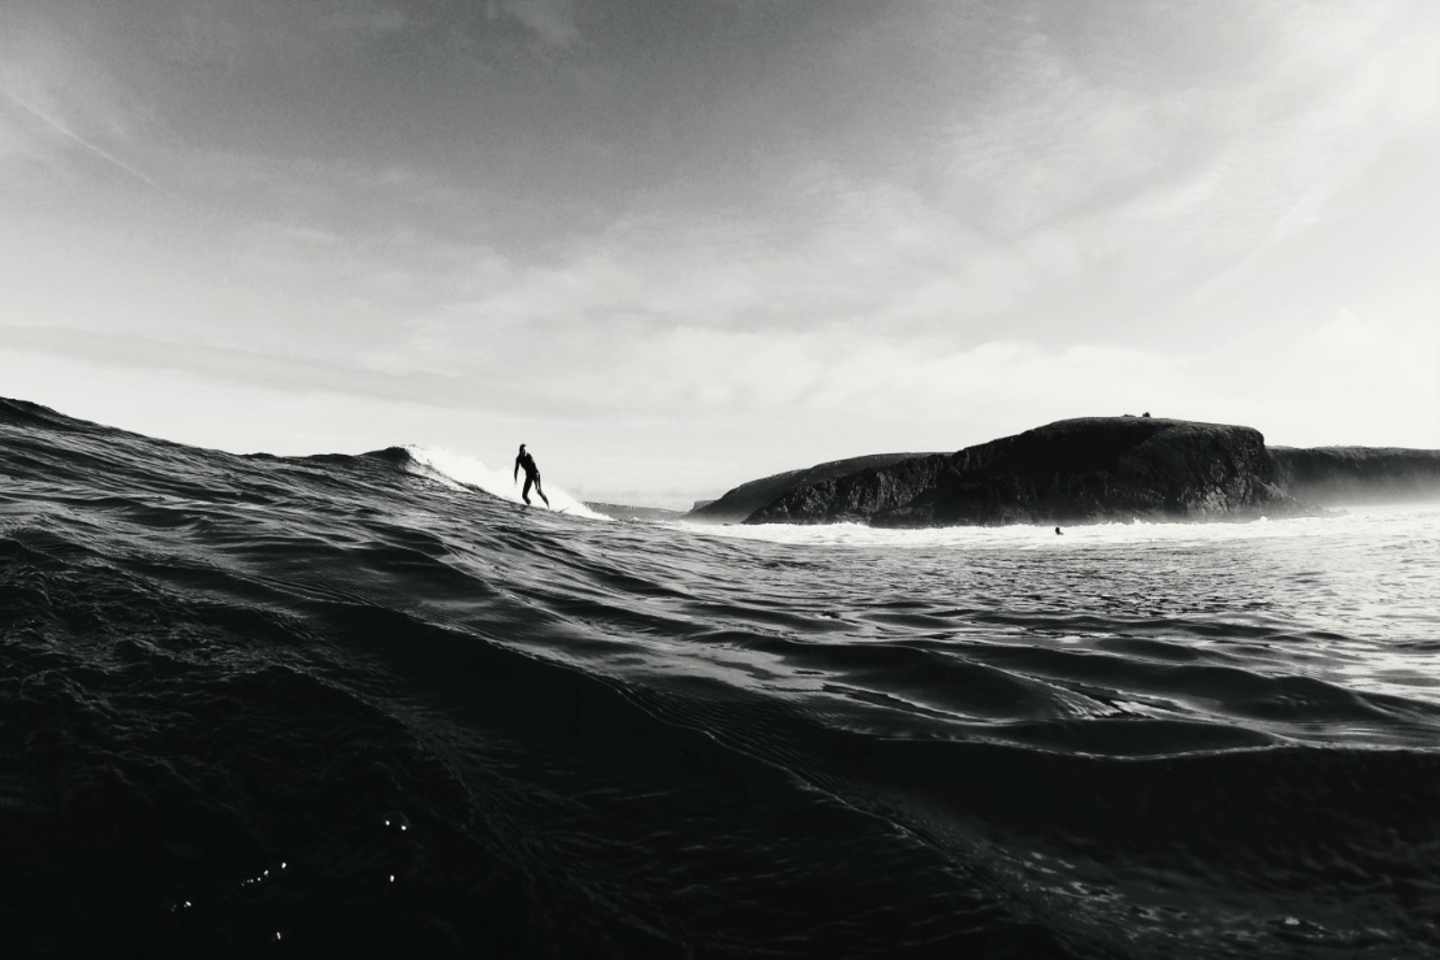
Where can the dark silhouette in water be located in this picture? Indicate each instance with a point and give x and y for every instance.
(532, 475)
(1058, 533)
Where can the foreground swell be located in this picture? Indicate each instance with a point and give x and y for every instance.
(252, 706)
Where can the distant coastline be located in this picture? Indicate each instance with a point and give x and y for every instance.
(1089, 469)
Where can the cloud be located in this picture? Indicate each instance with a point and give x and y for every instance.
(552, 22)
(230, 35)
(1178, 166)
(62, 130)
(280, 370)
(1344, 377)
(1367, 83)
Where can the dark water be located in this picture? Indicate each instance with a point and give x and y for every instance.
(324, 707)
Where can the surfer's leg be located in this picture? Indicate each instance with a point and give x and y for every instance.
(525, 493)
(540, 490)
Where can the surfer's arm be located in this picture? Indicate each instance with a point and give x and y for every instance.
(515, 474)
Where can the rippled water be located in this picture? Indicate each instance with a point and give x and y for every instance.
(342, 706)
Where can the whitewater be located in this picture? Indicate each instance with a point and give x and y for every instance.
(460, 472)
(371, 706)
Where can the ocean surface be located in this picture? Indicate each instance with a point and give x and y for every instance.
(359, 706)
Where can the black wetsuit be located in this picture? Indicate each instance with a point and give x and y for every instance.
(532, 475)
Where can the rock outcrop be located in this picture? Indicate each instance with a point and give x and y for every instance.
(857, 496)
(1341, 475)
(1095, 468)
(744, 500)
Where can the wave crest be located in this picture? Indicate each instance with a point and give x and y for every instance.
(462, 472)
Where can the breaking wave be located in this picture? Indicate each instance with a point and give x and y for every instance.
(465, 471)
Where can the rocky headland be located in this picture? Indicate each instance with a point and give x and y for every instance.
(1085, 470)
(739, 503)
(1071, 471)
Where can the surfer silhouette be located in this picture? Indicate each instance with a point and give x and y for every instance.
(532, 475)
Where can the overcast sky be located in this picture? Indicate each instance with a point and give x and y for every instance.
(678, 244)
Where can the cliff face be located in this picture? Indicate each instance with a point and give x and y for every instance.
(1094, 468)
(855, 496)
(744, 500)
(1339, 475)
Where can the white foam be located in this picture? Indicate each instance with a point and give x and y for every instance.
(458, 471)
(1407, 521)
